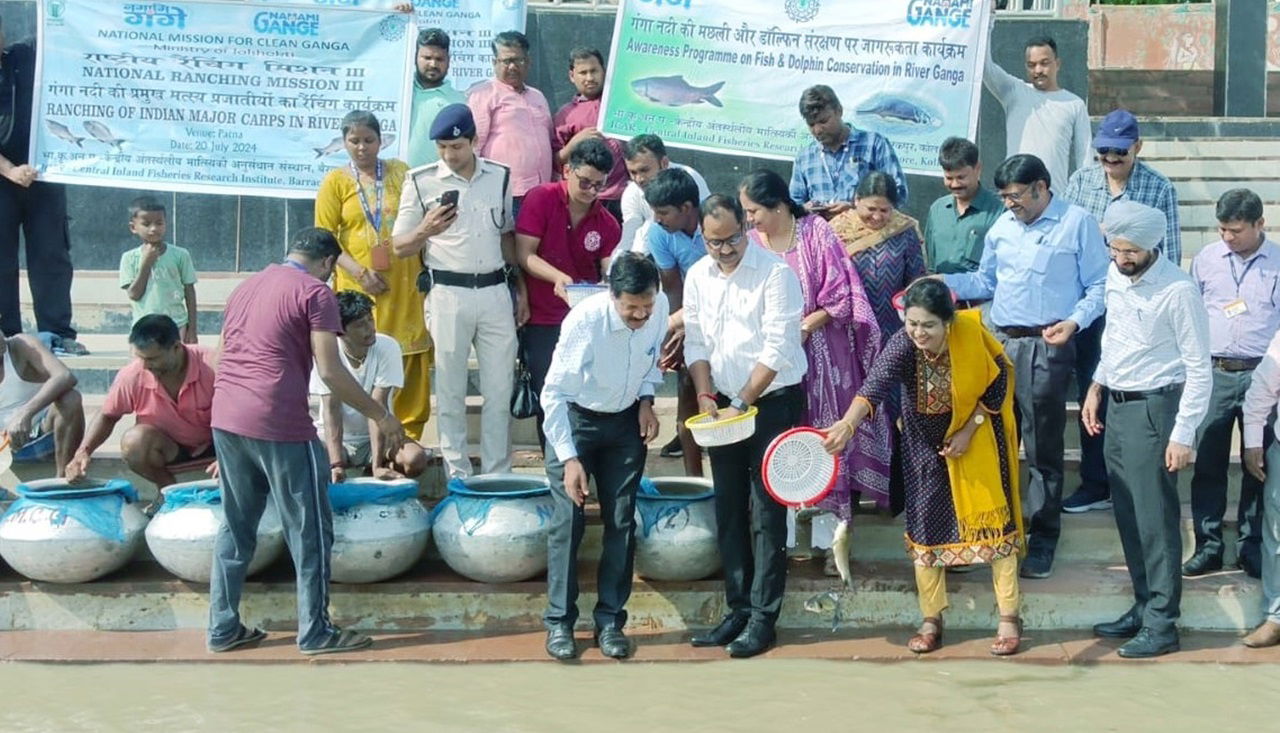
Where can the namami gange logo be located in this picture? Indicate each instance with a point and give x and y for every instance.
(942, 13)
(149, 15)
(283, 23)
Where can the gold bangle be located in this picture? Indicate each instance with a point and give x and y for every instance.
(871, 409)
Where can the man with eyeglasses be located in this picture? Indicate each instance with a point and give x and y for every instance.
(1117, 175)
(563, 236)
(513, 120)
(1043, 267)
(742, 307)
(432, 92)
(1239, 277)
(1155, 373)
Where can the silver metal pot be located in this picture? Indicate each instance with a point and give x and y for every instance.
(373, 542)
(494, 527)
(676, 530)
(72, 534)
(182, 539)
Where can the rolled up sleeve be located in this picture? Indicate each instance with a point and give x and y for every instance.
(780, 323)
(1262, 395)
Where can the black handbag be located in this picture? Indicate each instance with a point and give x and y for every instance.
(524, 400)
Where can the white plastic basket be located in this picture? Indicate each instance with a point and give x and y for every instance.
(579, 292)
(709, 433)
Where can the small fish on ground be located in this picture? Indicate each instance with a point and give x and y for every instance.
(61, 132)
(334, 146)
(674, 91)
(103, 134)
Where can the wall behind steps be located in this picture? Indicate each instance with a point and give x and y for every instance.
(244, 233)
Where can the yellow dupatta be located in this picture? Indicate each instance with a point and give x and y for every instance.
(977, 489)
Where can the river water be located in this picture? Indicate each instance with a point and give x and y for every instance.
(786, 696)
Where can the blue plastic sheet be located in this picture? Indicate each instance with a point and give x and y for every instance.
(175, 499)
(97, 508)
(343, 496)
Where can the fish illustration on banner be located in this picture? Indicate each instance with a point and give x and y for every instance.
(725, 76)
(62, 132)
(674, 91)
(103, 134)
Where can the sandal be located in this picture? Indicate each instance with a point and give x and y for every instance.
(246, 637)
(71, 347)
(1006, 646)
(341, 641)
(927, 641)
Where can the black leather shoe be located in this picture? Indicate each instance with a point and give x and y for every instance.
(613, 643)
(728, 630)
(1200, 563)
(1125, 627)
(560, 643)
(755, 639)
(1149, 644)
(1250, 565)
(1037, 565)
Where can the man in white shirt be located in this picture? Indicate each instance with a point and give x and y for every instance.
(646, 156)
(374, 359)
(598, 398)
(1041, 118)
(742, 307)
(1155, 370)
(1259, 408)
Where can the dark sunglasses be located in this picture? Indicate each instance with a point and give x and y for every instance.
(1118, 152)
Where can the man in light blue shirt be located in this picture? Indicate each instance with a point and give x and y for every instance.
(432, 92)
(675, 244)
(1044, 266)
(598, 398)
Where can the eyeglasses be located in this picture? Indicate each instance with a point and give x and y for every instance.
(1125, 253)
(720, 244)
(513, 61)
(1016, 196)
(1118, 152)
(586, 184)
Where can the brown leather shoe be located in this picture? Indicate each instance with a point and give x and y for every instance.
(926, 642)
(1268, 634)
(1006, 646)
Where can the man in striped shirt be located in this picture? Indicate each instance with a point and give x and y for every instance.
(1155, 373)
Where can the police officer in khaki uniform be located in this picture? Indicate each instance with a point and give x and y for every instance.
(457, 213)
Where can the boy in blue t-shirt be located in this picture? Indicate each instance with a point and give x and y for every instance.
(159, 277)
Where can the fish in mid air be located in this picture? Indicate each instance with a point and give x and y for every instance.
(840, 549)
(674, 91)
(894, 111)
(334, 146)
(61, 132)
(103, 134)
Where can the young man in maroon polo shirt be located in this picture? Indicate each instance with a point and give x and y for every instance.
(578, 120)
(563, 236)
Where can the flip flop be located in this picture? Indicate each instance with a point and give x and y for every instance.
(340, 641)
(71, 347)
(246, 637)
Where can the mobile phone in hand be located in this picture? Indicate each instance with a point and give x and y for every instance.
(449, 198)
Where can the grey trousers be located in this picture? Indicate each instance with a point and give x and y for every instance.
(296, 477)
(1146, 507)
(612, 452)
(1271, 536)
(1042, 374)
(1209, 482)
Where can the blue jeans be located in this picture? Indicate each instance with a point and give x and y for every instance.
(296, 477)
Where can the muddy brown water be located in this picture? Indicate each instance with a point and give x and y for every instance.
(785, 696)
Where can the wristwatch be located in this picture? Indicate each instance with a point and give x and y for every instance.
(737, 404)
(979, 419)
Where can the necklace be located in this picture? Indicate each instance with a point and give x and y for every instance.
(355, 361)
(791, 240)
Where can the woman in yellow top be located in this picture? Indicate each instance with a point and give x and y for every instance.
(358, 203)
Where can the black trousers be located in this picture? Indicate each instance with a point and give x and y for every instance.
(41, 212)
(612, 452)
(537, 344)
(750, 526)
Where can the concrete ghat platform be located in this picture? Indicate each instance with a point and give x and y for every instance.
(145, 598)
(864, 645)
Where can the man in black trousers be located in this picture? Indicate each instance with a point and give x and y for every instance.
(598, 400)
(38, 207)
(742, 307)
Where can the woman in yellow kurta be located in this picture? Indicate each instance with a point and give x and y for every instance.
(358, 203)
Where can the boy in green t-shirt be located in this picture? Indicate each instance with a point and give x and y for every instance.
(159, 277)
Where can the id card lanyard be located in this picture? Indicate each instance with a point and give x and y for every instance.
(373, 217)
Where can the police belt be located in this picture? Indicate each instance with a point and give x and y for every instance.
(473, 280)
